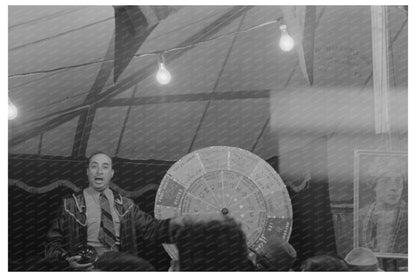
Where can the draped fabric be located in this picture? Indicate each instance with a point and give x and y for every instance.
(313, 227)
(132, 28)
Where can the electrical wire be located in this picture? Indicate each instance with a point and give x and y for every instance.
(153, 53)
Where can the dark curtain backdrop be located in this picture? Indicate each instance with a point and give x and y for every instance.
(35, 191)
(313, 228)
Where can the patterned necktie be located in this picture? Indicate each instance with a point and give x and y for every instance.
(107, 233)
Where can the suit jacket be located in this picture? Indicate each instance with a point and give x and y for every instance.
(69, 229)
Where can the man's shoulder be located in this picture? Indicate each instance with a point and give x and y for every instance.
(71, 196)
(127, 200)
(74, 206)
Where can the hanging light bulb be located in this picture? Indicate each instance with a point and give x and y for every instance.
(163, 75)
(286, 42)
(12, 110)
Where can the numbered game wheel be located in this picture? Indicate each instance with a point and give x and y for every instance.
(227, 181)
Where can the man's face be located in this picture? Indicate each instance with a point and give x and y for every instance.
(389, 189)
(99, 172)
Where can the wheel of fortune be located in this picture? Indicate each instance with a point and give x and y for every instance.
(227, 181)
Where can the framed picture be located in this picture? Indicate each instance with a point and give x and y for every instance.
(380, 202)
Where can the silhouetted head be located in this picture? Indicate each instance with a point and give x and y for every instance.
(120, 261)
(324, 263)
(215, 245)
(362, 259)
(277, 255)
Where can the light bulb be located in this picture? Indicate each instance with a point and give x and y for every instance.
(163, 75)
(12, 110)
(286, 42)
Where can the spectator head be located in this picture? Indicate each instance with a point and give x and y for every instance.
(362, 259)
(278, 255)
(214, 245)
(120, 261)
(324, 263)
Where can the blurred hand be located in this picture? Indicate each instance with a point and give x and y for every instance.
(73, 263)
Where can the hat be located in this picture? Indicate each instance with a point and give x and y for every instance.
(277, 255)
(362, 259)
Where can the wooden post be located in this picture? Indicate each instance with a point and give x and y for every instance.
(379, 31)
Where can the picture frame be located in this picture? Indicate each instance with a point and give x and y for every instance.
(380, 202)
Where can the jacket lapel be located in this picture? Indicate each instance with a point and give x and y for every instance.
(77, 210)
(118, 202)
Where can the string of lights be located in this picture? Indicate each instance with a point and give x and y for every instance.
(154, 53)
(163, 75)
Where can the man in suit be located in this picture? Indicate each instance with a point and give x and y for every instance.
(100, 217)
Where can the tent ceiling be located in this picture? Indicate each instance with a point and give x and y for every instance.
(220, 91)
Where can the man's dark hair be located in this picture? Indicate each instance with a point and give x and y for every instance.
(99, 152)
(216, 245)
(120, 261)
(324, 263)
